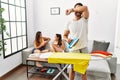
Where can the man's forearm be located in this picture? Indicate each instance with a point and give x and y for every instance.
(79, 9)
(65, 38)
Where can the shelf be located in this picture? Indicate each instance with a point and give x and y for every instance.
(36, 70)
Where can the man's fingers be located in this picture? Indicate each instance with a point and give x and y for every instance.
(69, 40)
(66, 12)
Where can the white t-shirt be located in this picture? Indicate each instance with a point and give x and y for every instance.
(78, 29)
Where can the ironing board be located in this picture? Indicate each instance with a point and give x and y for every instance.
(79, 60)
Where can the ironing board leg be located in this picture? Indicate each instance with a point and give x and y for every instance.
(61, 72)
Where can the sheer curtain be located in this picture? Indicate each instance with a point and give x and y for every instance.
(117, 36)
(117, 41)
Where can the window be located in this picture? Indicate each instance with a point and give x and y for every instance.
(16, 26)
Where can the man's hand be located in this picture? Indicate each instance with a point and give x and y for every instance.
(68, 11)
(81, 9)
(69, 40)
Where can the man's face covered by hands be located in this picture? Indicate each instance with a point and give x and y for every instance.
(78, 14)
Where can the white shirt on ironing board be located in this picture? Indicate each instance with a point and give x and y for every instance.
(75, 31)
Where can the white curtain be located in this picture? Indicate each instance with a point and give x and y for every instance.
(117, 43)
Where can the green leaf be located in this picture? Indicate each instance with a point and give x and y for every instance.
(7, 34)
(3, 27)
(4, 43)
(2, 20)
(0, 31)
(1, 48)
(1, 10)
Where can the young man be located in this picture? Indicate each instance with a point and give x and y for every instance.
(77, 27)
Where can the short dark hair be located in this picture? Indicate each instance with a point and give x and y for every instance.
(78, 4)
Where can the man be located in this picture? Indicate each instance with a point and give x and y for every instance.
(77, 27)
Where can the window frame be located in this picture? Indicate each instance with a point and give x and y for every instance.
(16, 22)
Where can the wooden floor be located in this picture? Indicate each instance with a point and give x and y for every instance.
(20, 74)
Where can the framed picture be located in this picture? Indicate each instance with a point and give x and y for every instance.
(55, 11)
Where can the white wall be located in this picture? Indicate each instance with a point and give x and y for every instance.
(11, 62)
(102, 19)
(30, 22)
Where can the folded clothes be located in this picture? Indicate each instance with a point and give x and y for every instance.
(100, 53)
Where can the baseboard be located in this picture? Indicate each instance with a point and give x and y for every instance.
(13, 70)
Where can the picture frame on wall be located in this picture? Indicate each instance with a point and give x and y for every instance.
(55, 11)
